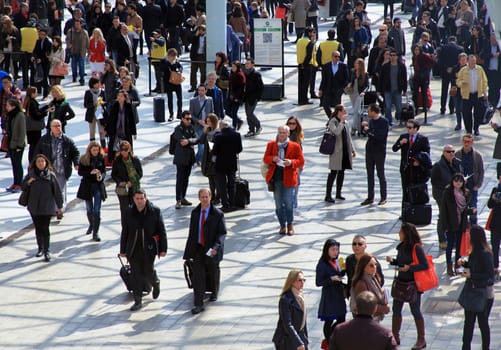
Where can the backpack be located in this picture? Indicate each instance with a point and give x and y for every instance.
(172, 144)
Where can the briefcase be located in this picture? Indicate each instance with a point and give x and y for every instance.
(417, 214)
(242, 193)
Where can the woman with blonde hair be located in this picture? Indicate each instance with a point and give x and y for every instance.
(97, 48)
(59, 108)
(92, 169)
(291, 332)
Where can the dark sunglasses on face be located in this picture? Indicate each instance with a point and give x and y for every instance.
(124, 149)
(357, 243)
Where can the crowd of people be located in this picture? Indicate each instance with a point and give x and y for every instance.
(452, 39)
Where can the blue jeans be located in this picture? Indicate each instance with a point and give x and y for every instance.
(284, 203)
(93, 206)
(392, 98)
(200, 147)
(419, 4)
(78, 66)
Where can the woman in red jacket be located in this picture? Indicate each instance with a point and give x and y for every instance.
(284, 158)
(97, 47)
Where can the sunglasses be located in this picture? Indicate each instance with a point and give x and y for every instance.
(187, 118)
(337, 56)
(124, 150)
(450, 151)
(458, 179)
(357, 243)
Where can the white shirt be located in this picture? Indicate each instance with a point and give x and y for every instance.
(473, 80)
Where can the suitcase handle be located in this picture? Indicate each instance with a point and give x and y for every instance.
(121, 260)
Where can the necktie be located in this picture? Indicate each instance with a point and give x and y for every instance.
(202, 235)
(412, 140)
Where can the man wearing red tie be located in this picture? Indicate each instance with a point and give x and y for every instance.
(205, 247)
(411, 144)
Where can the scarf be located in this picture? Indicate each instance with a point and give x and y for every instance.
(131, 174)
(95, 95)
(298, 294)
(282, 146)
(460, 202)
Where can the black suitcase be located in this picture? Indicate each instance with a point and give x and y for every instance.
(408, 110)
(242, 193)
(272, 92)
(489, 112)
(126, 275)
(417, 214)
(418, 194)
(159, 109)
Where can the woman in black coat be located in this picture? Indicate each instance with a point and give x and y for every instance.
(332, 308)
(494, 204)
(120, 125)
(35, 119)
(171, 64)
(126, 172)
(291, 332)
(236, 93)
(44, 200)
(409, 240)
(481, 275)
(59, 108)
(455, 199)
(92, 169)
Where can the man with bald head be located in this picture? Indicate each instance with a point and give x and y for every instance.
(441, 175)
(284, 158)
(335, 77)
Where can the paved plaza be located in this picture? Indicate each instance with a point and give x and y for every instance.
(79, 301)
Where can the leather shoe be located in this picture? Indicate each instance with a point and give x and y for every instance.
(226, 209)
(192, 90)
(290, 229)
(178, 205)
(156, 290)
(382, 202)
(185, 202)
(39, 254)
(213, 297)
(47, 257)
(329, 199)
(197, 310)
(137, 305)
(457, 128)
(340, 197)
(282, 230)
(476, 133)
(367, 202)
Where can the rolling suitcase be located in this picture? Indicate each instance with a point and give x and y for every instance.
(159, 109)
(242, 193)
(126, 275)
(417, 214)
(408, 110)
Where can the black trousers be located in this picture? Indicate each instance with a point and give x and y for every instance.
(304, 78)
(182, 179)
(446, 81)
(179, 99)
(33, 137)
(225, 182)
(125, 202)
(42, 232)
(483, 324)
(494, 82)
(143, 272)
(206, 276)
(472, 113)
(375, 159)
(331, 99)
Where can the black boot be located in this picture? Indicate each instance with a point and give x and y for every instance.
(95, 229)
(138, 304)
(40, 246)
(339, 185)
(103, 143)
(328, 188)
(90, 218)
(46, 252)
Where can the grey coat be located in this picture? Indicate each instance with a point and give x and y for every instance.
(300, 9)
(45, 194)
(336, 158)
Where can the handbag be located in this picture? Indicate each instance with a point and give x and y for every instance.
(425, 279)
(271, 186)
(176, 78)
(418, 194)
(328, 143)
(188, 272)
(471, 298)
(4, 147)
(404, 291)
(465, 247)
(121, 191)
(264, 169)
(453, 91)
(489, 220)
(223, 84)
(24, 197)
(61, 69)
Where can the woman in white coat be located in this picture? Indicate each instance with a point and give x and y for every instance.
(342, 157)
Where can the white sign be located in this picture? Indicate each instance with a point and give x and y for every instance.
(268, 41)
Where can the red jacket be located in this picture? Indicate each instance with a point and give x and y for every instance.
(294, 153)
(96, 50)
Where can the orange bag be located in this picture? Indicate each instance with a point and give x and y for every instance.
(425, 279)
(280, 12)
(489, 219)
(465, 248)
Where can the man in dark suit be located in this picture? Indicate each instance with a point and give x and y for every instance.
(491, 54)
(143, 237)
(335, 77)
(124, 47)
(205, 247)
(410, 144)
(227, 146)
(346, 336)
(447, 59)
(41, 53)
(200, 106)
(152, 18)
